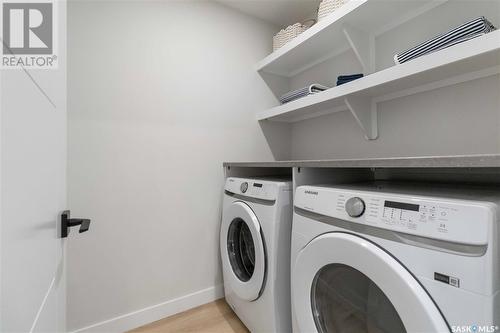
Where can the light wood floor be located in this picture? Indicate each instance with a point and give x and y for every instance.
(212, 317)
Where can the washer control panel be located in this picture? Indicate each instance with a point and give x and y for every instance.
(461, 221)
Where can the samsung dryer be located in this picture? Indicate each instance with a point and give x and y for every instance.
(255, 240)
(382, 257)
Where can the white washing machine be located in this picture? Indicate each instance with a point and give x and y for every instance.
(383, 257)
(255, 252)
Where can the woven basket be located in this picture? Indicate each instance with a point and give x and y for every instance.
(290, 32)
(327, 7)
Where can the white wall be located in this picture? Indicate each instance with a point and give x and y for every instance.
(461, 119)
(160, 94)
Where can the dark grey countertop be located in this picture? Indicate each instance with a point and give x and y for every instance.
(457, 161)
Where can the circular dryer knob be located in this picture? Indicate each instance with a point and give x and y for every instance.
(244, 187)
(355, 207)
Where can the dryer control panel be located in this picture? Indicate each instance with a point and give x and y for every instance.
(256, 188)
(460, 221)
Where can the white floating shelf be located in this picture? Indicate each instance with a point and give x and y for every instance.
(473, 59)
(328, 37)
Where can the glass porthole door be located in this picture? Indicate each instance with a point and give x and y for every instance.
(342, 283)
(345, 300)
(242, 251)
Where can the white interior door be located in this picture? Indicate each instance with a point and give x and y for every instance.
(33, 194)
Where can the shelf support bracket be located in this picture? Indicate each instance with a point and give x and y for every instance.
(363, 46)
(364, 111)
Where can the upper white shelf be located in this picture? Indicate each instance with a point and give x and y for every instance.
(327, 38)
(475, 58)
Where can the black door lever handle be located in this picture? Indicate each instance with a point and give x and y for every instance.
(67, 222)
(84, 226)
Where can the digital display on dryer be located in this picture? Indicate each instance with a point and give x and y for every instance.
(401, 205)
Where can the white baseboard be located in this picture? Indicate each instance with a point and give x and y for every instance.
(156, 312)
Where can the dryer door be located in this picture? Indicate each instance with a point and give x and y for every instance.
(345, 283)
(242, 251)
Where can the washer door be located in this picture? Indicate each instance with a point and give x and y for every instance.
(242, 251)
(345, 283)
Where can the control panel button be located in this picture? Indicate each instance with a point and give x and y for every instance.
(244, 187)
(355, 207)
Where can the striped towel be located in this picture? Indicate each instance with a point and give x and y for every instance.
(462, 33)
(302, 92)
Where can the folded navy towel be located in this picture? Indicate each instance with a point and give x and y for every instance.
(349, 77)
(342, 79)
(339, 83)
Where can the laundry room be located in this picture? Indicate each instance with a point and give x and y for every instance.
(250, 166)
